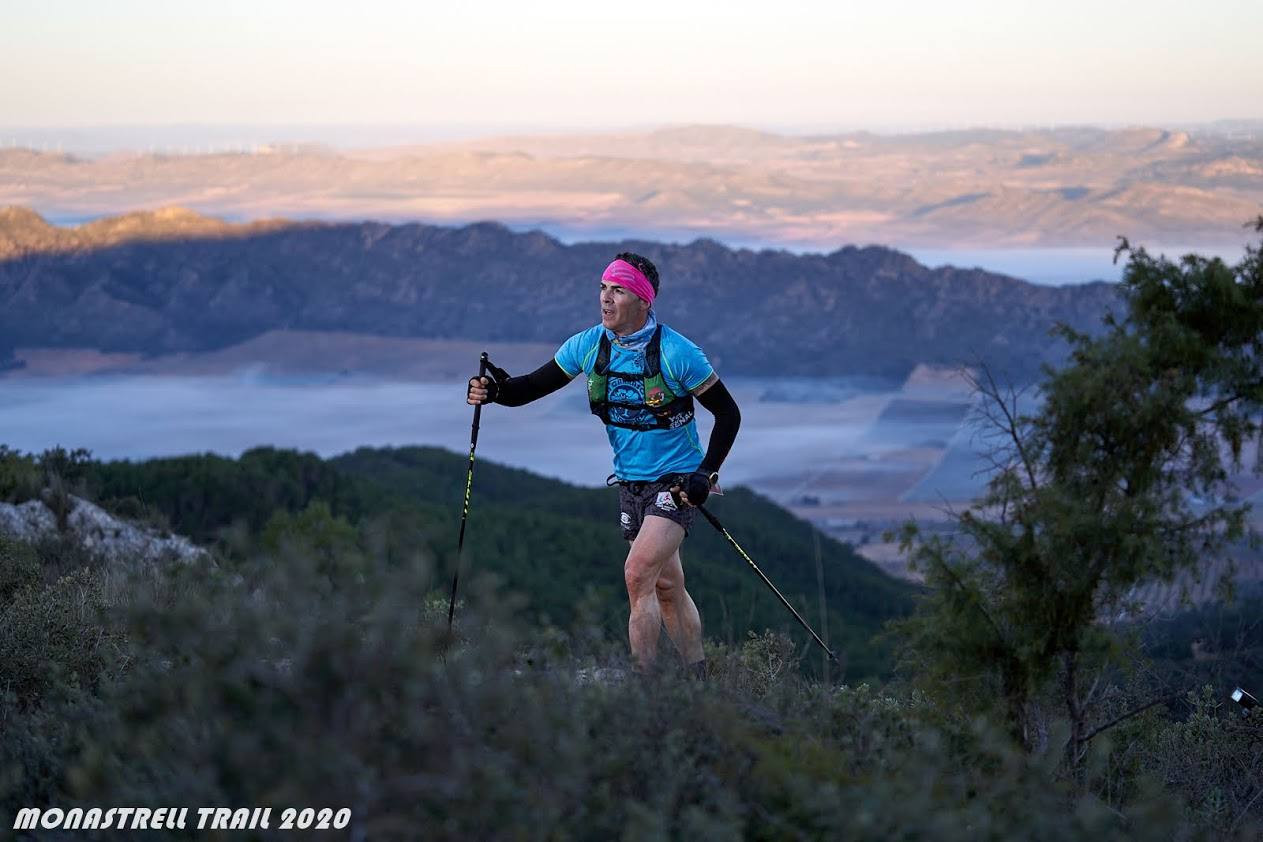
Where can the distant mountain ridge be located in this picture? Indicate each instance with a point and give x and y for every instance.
(978, 188)
(23, 231)
(172, 281)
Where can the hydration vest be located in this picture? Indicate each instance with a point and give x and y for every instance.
(667, 409)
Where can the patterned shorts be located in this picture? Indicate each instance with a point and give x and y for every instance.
(638, 500)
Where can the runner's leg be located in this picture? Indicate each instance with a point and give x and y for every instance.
(657, 542)
(679, 614)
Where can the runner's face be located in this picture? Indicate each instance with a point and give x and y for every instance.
(622, 311)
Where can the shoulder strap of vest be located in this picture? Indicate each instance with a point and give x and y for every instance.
(653, 354)
(602, 364)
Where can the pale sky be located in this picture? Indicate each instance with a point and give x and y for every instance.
(600, 65)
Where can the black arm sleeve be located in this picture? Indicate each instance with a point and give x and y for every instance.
(544, 380)
(719, 401)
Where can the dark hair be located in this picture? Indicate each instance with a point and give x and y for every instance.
(644, 264)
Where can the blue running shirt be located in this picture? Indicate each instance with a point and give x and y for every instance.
(645, 454)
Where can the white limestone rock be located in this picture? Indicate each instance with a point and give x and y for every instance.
(28, 521)
(98, 532)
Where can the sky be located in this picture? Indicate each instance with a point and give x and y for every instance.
(592, 65)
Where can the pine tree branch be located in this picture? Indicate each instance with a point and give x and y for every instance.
(1129, 714)
(1226, 401)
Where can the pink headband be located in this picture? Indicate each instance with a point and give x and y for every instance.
(629, 277)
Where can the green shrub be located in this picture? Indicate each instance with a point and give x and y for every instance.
(19, 567)
(1213, 756)
(52, 637)
(284, 680)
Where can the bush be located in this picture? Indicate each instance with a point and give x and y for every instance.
(56, 653)
(1213, 756)
(289, 680)
(52, 637)
(19, 567)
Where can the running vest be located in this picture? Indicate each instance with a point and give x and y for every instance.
(667, 409)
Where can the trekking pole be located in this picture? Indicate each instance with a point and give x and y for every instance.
(483, 364)
(714, 521)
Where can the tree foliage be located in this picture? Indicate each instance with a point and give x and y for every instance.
(1121, 475)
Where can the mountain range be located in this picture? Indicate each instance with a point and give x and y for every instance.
(172, 281)
(961, 189)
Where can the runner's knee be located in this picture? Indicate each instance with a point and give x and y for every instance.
(640, 573)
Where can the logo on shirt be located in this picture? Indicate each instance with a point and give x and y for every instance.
(680, 419)
(623, 391)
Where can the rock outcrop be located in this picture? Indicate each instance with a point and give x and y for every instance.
(98, 532)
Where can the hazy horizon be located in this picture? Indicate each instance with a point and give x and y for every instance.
(197, 138)
(567, 63)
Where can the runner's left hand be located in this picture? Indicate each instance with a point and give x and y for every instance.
(695, 490)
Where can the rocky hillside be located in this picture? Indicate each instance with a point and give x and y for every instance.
(172, 281)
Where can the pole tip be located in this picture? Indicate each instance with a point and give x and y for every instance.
(483, 356)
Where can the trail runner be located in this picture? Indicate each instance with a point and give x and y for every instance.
(642, 377)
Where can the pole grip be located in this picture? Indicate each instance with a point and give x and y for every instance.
(483, 362)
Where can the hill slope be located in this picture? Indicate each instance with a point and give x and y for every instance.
(557, 544)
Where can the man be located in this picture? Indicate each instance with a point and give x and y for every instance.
(642, 378)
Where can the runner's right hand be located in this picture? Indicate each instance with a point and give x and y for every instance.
(481, 390)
